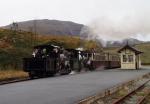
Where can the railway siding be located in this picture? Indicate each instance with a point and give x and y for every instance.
(136, 96)
(119, 92)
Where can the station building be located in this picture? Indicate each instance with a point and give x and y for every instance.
(130, 57)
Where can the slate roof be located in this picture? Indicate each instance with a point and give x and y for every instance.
(130, 48)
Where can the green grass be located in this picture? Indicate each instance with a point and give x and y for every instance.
(145, 48)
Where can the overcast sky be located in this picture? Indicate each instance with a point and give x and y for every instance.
(88, 12)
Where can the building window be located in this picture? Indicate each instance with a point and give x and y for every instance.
(130, 57)
(124, 58)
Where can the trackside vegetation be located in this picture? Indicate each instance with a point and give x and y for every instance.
(15, 45)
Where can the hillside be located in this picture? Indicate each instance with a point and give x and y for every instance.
(65, 28)
(130, 41)
(48, 27)
(144, 47)
(15, 45)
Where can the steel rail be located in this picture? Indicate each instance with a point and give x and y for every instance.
(94, 98)
(14, 80)
(130, 93)
(141, 101)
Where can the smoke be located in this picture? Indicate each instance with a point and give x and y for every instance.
(109, 28)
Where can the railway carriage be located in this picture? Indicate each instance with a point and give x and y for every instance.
(106, 60)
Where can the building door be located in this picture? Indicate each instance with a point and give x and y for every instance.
(137, 62)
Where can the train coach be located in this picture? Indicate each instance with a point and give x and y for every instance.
(106, 60)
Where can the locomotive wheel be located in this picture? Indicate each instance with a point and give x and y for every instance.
(40, 75)
(65, 71)
(50, 74)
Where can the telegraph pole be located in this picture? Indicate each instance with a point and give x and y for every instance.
(14, 26)
(31, 36)
(35, 32)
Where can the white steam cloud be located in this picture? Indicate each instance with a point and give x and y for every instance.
(106, 28)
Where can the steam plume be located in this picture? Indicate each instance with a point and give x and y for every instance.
(105, 28)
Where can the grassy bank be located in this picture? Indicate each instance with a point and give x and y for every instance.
(12, 74)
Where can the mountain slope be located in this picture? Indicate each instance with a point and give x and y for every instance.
(49, 27)
(129, 41)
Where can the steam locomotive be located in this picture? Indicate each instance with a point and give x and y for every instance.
(49, 59)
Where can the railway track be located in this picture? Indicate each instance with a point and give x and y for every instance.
(118, 94)
(14, 80)
(137, 96)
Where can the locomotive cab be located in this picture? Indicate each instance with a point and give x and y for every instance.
(43, 62)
